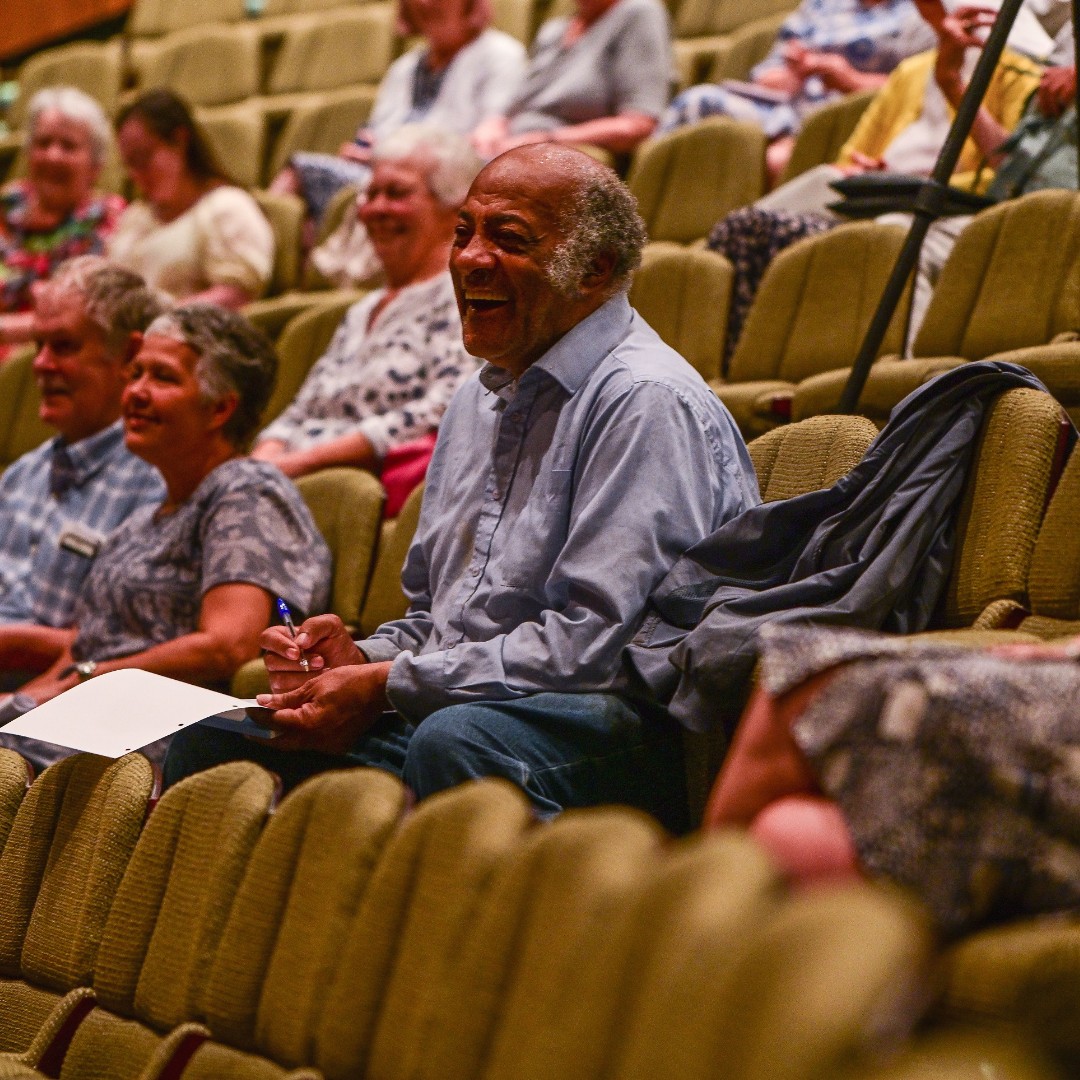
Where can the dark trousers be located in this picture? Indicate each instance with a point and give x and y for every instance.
(562, 750)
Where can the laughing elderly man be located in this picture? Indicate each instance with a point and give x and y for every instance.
(569, 475)
(60, 501)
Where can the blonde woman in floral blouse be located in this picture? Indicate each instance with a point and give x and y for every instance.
(397, 358)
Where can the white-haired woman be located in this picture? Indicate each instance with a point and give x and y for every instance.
(397, 357)
(53, 214)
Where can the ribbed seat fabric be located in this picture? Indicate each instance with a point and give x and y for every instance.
(1011, 282)
(810, 314)
(542, 974)
(812, 454)
(466, 940)
(15, 776)
(414, 915)
(687, 179)
(684, 295)
(281, 946)
(165, 925)
(1014, 468)
(786, 993)
(71, 839)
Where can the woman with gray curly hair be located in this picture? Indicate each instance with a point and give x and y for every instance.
(185, 588)
(53, 214)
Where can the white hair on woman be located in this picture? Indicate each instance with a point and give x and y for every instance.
(448, 161)
(74, 105)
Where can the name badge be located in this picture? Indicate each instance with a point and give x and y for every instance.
(80, 541)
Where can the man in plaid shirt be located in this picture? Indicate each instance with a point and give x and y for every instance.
(59, 502)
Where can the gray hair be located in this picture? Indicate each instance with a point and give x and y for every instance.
(234, 357)
(448, 161)
(74, 105)
(117, 301)
(600, 215)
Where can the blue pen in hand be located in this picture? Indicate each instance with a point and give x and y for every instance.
(286, 618)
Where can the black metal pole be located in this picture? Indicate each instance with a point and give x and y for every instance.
(931, 200)
(1076, 54)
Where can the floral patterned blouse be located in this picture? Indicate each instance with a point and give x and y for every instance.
(391, 380)
(27, 256)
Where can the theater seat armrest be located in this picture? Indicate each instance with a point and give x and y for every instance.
(251, 679)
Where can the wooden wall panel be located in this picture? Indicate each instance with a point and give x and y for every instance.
(27, 24)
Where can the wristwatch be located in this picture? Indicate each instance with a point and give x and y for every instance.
(84, 669)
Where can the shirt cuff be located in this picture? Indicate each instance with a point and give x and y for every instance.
(378, 649)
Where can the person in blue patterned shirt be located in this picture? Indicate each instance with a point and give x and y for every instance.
(59, 502)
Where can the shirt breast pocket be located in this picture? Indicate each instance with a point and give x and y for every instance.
(534, 533)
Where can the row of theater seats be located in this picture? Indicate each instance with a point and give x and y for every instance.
(344, 934)
(306, 77)
(1009, 291)
(705, 32)
(1016, 570)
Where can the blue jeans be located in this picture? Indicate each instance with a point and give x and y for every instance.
(562, 750)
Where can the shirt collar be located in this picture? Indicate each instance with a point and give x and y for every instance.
(574, 357)
(90, 454)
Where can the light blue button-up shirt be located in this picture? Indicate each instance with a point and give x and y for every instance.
(554, 506)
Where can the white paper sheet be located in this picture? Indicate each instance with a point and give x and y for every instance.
(120, 711)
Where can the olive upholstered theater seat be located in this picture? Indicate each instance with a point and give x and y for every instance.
(408, 929)
(812, 454)
(96, 69)
(467, 941)
(824, 133)
(1012, 281)
(329, 51)
(205, 65)
(810, 314)
(153, 18)
(286, 216)
(686, 180)
(684, 295)
(280, 948)
(166, 920)
(346, 505)
(20, 428)
(15, 776)
(321, 124)
(1017, 462)
(68, 846)
(237, 136)
(304, 339)
(704, 29)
